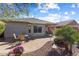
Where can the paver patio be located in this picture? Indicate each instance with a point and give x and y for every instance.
(30, 46)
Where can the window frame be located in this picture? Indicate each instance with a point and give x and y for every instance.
(38, 29)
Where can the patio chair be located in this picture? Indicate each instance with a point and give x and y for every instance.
(26, 36)
(15, 37)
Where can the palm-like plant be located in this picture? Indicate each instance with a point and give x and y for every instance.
(69, 35)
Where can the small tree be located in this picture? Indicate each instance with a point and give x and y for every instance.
(69, 34)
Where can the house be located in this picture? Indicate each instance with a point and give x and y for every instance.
(31, 26)
(72, 23)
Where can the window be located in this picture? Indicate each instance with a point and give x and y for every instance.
(29, 30)
(37, 29)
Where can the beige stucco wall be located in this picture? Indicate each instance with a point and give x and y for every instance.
(15, 28)
(21, 27)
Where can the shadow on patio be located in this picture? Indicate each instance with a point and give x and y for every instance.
(45, 50)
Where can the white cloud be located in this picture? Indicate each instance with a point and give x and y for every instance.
(78, 22)
(66, 13)
(73, 6)
(45, 7)
(77, 5)
(43, 11)
(55, 18)
(51, 18)
(54, 15)
(48, 6)
(72, 12)
(42, 7)
(31, 16)
(66, 17)
(39, 6)
(52, 6)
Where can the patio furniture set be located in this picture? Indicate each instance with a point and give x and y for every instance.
(21, 37)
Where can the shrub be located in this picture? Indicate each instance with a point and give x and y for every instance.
(2, 27)
(69, 34)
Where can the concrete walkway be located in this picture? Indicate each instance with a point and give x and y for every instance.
(30, 46)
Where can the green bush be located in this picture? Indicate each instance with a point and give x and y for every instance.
(68, 33)
(2, 27)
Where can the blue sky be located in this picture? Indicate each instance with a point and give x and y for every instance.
(56, 12)
(53, 12)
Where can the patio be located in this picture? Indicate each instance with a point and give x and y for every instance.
(47, 50)
(29, 46)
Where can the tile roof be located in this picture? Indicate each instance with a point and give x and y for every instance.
(28, 20)
(65, 22)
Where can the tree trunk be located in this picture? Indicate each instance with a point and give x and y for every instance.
(70, 50)
(66, 48)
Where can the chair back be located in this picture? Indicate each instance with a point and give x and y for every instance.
(14, 35)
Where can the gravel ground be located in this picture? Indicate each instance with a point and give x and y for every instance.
(75, 51)
(43, 51)
(47, 50)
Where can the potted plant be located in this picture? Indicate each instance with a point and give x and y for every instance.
(21, 36)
